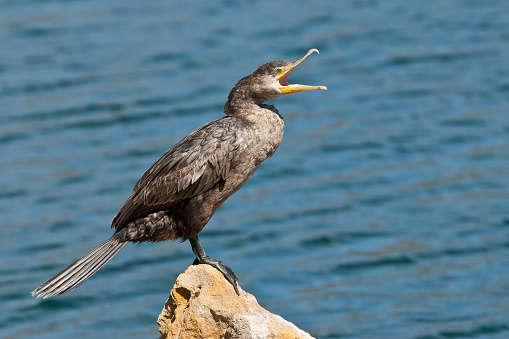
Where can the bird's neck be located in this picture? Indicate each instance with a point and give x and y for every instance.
(238, 102)
(248, 109)
(246, 100)
(241, 105)
(242, 98)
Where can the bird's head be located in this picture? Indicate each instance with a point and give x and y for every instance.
(269, 81)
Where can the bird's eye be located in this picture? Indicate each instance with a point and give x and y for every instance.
(278, 70)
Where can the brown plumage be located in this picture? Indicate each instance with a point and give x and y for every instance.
(180, 192)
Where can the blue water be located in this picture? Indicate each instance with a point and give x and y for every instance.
(383, 214)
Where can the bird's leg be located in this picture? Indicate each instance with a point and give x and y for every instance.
(203, 258)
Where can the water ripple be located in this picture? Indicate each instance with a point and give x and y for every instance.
(383, 214)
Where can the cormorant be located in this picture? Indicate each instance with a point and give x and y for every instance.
(180, 192)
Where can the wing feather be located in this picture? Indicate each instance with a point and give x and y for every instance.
(193, 166)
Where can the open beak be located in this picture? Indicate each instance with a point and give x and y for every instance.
(286, 88)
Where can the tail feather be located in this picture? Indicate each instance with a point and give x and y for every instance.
(86, 272)
(79, 271)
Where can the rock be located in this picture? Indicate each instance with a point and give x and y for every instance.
(202, 304)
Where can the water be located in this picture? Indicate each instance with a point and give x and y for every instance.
(383, 214)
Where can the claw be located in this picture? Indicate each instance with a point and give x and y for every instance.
(228, 273)
(202, 258)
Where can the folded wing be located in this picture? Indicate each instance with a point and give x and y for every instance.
(193, 166)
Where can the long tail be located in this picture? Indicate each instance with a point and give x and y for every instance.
(80, 270)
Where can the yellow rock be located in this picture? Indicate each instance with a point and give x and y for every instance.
(202, 304)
